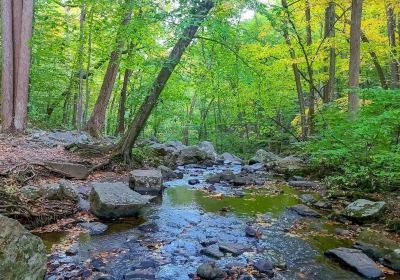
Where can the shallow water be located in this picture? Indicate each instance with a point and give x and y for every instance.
(168, 235)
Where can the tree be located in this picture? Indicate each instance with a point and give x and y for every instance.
(391, 29)
(17, 20)
(311, 101)
(122, 102)
(330, 18)
(296, 71)
(198, 15)
(96, 122)
(355, 56)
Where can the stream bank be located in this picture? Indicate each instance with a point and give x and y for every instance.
(176, 235)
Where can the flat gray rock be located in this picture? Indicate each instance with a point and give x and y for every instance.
(305, 211)
(114, 200)
(212, 252)
(357, 261)
(233, 249)
(67, 169)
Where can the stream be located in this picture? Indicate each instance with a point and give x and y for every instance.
(165, 241)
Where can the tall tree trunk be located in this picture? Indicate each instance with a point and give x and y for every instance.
(198, 15)
(17, 32)
(7, 83)
(89, 64)
(24, 63)
(297, 76)
(79, 109)
(96, 122)
(122, 103)
(391, 29)
(329, 87)
(355, 56)
(311, 105)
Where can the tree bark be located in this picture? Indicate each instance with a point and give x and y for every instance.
(311, 104)
(329, 87)
(17, 32)
(122, 103)
(391, 29)
(7, 101)
(24, 62)
(355, 56)
(79, 106)
(95, 124)
(297, 76)
(198, 14)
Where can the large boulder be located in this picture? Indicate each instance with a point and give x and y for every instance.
(357, 261)
(22, 254)
(290, 166)
(363, 210)
(167, 149)
(114, 200)
(193, 155)
(209, 149)
(229, 158)
(262, 156)
(169, 174)
(146, 181)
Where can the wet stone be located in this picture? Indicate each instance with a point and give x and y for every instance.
(357, 261)
(264, 266)
(305, 211)
(246, 277)
(233, 249)
(208, 242)
(212, 252)
(194, 182)
(139, 274)
(252, 232)
(94, 228)
(210, 271)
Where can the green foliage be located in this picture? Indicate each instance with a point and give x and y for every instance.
(364, 152)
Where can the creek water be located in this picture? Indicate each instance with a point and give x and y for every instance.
(164, 242)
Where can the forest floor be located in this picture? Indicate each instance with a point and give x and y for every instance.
(166, 236)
